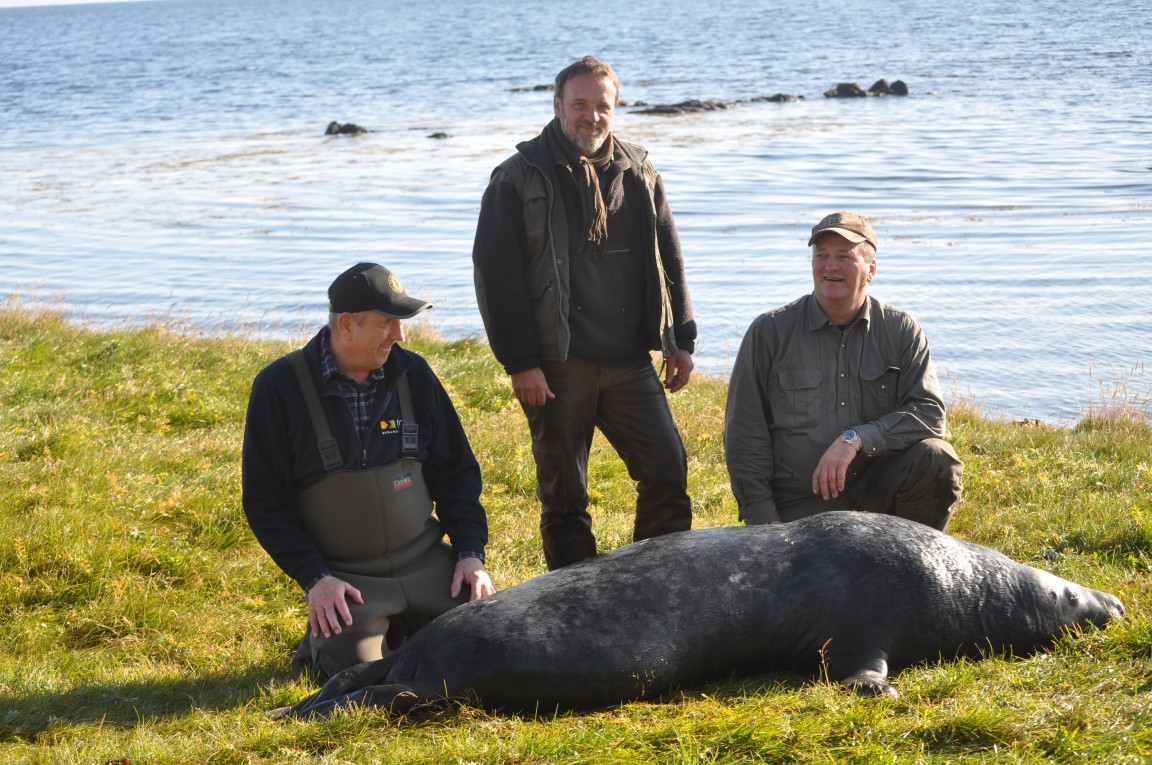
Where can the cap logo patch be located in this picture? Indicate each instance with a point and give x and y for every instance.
(394, 283)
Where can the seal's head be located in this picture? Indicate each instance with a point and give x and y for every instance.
(1075, 605)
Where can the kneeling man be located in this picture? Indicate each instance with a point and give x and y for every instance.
(350, 444)
(833, 402)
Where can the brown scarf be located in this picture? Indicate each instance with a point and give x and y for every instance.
(584, 170)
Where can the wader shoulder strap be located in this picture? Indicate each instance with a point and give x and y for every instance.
(410, 434)
(329, 449)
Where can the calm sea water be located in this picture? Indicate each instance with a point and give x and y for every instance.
(167, 160)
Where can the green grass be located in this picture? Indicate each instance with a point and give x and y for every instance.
(140, 620)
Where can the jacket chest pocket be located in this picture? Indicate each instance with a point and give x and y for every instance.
(539, 268)
(797, 398)
(535, 217)
(878, 391)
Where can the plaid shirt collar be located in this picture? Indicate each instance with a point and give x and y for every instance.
(360, 399)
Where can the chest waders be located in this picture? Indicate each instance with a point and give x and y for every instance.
(374, 528)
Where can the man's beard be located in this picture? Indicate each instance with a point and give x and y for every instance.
(589, 146)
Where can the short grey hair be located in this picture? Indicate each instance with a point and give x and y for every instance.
(357, 316)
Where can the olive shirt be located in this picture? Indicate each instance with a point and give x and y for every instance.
(799, 381)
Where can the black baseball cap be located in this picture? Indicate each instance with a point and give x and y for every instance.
(372, 287)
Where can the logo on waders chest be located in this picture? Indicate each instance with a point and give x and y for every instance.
(401, 481)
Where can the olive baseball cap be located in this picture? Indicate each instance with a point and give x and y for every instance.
(372, 287)
(852, 226)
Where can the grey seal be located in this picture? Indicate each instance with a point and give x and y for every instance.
(854, 595)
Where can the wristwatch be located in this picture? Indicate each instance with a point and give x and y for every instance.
(852, 438)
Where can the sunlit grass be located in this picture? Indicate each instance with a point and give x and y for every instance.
(143, 622)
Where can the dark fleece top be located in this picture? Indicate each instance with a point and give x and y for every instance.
(280, 456)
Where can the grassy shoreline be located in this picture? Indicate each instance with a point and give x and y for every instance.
(142, 621)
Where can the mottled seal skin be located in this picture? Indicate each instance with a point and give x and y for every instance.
(852, 595)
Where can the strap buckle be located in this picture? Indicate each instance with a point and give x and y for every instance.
(410, 439)
(330, 453)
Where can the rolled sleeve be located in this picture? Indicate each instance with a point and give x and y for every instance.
(747, 437)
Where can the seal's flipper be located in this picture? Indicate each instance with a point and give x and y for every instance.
(345, 683)
(864, 671)
(869, 684)
(396, 699)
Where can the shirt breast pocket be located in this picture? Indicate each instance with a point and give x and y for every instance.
(878, 387)
(798, 398)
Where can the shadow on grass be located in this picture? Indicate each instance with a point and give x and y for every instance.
(126, 705)
(468, 705)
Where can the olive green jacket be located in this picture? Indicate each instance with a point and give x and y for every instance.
(521, 261)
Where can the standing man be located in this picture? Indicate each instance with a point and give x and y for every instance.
(578, 277)
(349, 446)
(833, 403)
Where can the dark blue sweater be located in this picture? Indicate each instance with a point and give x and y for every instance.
(280, 456)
